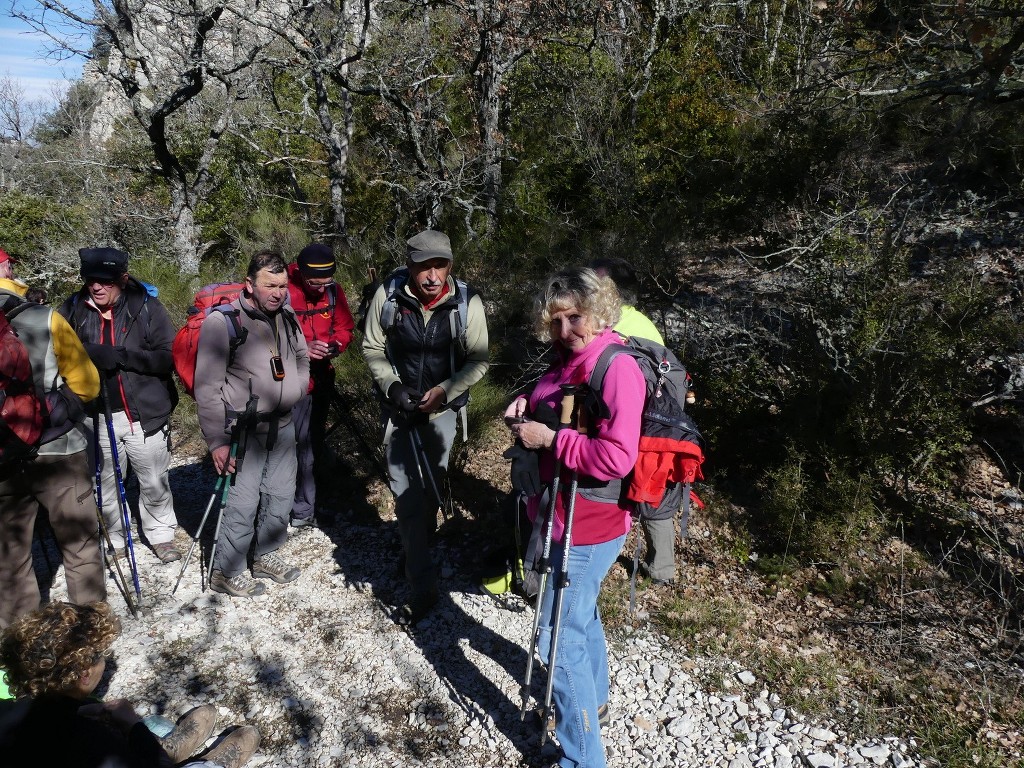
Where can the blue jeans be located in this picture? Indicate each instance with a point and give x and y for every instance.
(581, 665)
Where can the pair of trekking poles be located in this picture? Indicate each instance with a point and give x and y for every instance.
(122, 502)
(222, 488)
(568, 406)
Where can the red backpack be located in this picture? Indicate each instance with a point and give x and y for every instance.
(210, 298)
(21, 411)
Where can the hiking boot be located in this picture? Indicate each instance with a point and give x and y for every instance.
(270, 566)
(604, 717)
(190, 734)
(167, 552)
(237, 586)
(303, 522)
(236, 749)
(416, 609)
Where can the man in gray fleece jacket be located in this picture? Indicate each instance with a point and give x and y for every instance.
(248, 389)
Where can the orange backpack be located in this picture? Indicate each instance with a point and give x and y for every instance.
(210, 298)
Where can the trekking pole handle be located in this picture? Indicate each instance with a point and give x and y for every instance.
(581, 421)
(568, 403)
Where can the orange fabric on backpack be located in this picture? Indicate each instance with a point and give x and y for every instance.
(662, 461)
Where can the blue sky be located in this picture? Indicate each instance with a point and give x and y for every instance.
(23, 58)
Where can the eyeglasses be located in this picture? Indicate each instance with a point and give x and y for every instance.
(328, 282)
(100, 281)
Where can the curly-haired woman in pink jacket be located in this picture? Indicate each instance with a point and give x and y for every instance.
(576, 310)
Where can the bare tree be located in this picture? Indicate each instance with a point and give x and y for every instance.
(328, 39)
(18, 118)
(161, 57)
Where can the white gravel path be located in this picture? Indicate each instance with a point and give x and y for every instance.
(320, 668)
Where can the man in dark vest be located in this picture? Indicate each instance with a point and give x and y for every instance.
(425, 343)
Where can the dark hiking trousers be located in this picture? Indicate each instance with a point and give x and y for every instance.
(415, 504)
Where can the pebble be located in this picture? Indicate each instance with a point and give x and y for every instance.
(819, 760)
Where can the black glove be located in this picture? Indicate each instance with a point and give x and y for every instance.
(404, 398)
(525, 470)
(546, 415)
(104, 356)
(65, 410)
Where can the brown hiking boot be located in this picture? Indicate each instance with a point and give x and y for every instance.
(190, 734)
(236, 749)
(270, 566)
(236, 586)
(167, 552)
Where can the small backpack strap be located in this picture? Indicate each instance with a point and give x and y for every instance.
(684, 518)
(604, 362)
(389, 312)
(236, 333)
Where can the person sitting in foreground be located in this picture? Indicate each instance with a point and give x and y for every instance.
(53, 660)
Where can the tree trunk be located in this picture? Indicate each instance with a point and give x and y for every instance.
(186, 233)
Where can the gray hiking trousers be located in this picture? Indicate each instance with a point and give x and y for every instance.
(259, 501)
(660, 536)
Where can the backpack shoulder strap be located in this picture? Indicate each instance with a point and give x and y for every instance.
(16, 310)
(291, 325)
(463, 307)
(389, 311)
(236, 333)
(604, 361)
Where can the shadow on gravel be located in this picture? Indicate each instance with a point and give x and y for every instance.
(450, 638)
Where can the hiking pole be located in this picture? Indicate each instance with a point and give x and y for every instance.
(220, 510)
(119, 579)
(560, 587)
(544, 565)
(241, 429)
(199, 531)
(424, 466)
(122, 502)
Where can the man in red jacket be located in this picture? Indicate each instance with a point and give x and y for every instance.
(323, 313)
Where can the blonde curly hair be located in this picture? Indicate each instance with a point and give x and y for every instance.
(594, 296)
(48, 651)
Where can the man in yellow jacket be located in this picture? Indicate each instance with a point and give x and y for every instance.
(58, 478)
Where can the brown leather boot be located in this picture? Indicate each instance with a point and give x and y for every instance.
(190, 734)
(236, 749)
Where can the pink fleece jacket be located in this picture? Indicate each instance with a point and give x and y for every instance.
(608, 452)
